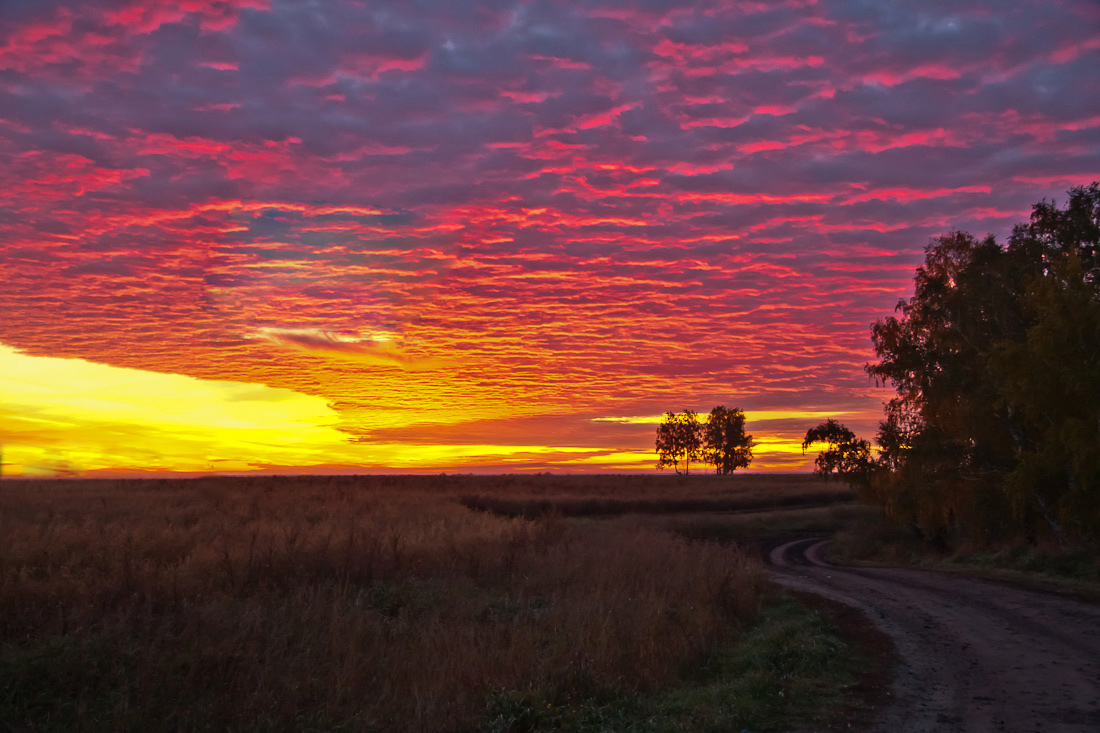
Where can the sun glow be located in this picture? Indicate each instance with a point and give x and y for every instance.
(72, 416)
(755, 416)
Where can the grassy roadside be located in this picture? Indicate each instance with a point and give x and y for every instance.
(790, 670)
(861, 536)
(831, 664)
(875, 542)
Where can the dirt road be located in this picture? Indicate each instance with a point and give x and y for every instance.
(974, 656)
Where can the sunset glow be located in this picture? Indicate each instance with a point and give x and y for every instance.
(257, 235)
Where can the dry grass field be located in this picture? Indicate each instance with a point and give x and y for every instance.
(372, 603)
(608, 495)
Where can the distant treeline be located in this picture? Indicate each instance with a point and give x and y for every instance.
(994, 432)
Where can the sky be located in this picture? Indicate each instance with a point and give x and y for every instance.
(446, 235)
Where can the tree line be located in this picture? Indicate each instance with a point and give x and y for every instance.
(993, 433)
(720, 441)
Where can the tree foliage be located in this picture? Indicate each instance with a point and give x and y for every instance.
(994, 430)
(725, 444)
(679, 439)
(845, 456)
(721, 441)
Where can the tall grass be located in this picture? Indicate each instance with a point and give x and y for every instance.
(316, 603)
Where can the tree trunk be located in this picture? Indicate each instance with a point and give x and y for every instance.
(1063, 541)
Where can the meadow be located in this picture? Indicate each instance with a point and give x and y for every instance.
(661, 494)
(387, 604)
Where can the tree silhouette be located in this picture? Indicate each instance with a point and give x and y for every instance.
(846, 456)
(725, 444)
(679, 439)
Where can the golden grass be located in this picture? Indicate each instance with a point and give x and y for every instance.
(370, 604)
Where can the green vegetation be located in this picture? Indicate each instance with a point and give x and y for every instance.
(382, 604)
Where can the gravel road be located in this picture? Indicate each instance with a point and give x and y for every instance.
(975, 656)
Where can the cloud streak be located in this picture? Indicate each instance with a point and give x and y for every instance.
(374, 350)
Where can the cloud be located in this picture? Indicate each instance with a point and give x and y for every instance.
(586, 208)
(372, 350)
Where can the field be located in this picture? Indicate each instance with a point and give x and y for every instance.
(578, 496)
(388, 604)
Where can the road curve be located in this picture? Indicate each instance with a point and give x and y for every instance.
(975, 656)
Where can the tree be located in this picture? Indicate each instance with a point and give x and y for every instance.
(1050, 383)
(846, 456)
(679, 439)
(946, 435)
(994, 432)
(1073, 230)
(725, 444)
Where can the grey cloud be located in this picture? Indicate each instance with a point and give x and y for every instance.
(115, 266)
